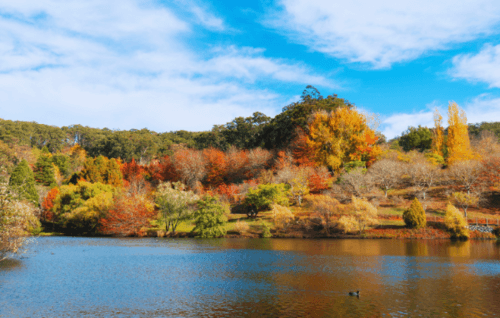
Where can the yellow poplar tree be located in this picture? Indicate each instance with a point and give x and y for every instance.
(438, 140)
(341, 136)
(458, 143)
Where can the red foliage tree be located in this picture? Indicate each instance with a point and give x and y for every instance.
(216, 167)
(190, 166)
(129, 215)
(319, 180)
(48, 204)
(237, 161)
(303, 155)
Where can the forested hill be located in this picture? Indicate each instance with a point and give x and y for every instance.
(258, 130)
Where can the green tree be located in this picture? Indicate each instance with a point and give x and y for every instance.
(416, 139)
(414, 217)
(22, 181)
(63, 163)
(175, 204)
(267, 194)
(210, 219)
(44, 170)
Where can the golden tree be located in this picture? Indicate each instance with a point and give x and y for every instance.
(458, 143)
(438, 140)
(341, 136)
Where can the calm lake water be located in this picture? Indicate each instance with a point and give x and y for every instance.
(149, 277)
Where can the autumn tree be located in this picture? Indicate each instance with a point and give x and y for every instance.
(455, 222)
(423, 174)
(464, 200)
(458, 143)
(216, 167)
(128, 216)
(282, 217)
(386, 173)
(237, 161)
(190, 166)
(364, 213)
(326, 207)
(438, 134)
(48, 204)
(341, 136)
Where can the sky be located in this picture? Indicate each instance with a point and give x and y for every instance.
(191, 64)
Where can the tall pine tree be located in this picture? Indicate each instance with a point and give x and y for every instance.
(23, 182)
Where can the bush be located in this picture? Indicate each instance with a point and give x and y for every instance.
(267, 194)
(347, 223)
(414, 217)
(455, 222)
(241, 227)
(266, 231)
(365, 214)
(325, 206)
(210, 219)
(282, 217)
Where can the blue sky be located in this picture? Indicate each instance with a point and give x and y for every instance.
(171, 65)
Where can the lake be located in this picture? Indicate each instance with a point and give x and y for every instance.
(155, 277)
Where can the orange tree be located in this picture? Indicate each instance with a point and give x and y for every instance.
(341, 136)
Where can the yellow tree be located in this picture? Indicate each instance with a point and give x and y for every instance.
(458, 143)
(438, 140)
(341, 136)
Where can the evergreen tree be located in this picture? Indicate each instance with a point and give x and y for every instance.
(113, 174)
(23, 182)
(210, 219)
(414, 217)
(44, 170)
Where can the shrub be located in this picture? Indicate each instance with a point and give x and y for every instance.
(347, 223)
(414, 217)
(266, 231)
(267, 194)
(210, 219)
(241, 227)
(455, 222)
(175, 204)
(365, 214)
(282, 217)
(325, 206)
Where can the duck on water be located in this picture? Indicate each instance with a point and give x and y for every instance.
(356, 293)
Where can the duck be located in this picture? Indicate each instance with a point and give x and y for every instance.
(356, 293)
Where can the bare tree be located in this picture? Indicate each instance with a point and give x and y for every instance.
(386, 173)
(466, 174)
(356, 182)
(423, 175)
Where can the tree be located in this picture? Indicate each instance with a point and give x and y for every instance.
(17, 220)
(386, 173)
(341, 136)
(175, 203)
(299, 187)
(423, 174)
(466, 174)
(44, 170)
(416, 139)
(190, 166)
(267, 194)
(438, 135)
(464, 200)
(455, 222)
(282, 217)
(458, 143)
(216, 167)
(48, 204)
(414, 217)
(78, 208)
(23, 182)
(365, 214)
(326, 207)
(210, 219)
(128, 216)
(356, 182)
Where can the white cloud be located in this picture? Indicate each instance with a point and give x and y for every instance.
(125, 64)
(482, 67)
(384, 32)
(483, 108)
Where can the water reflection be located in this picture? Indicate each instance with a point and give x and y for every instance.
(252, 277)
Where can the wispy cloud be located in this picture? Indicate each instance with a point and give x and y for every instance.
(481, 67)
(483, 108)
(384, 32)
(126, 64)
